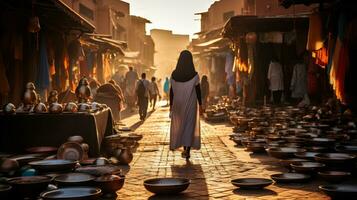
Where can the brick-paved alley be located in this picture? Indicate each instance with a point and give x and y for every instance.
(210, 169)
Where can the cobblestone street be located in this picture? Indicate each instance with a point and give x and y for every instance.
(210, 169)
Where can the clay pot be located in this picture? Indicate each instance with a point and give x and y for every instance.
(83, 91)
(9, 108)
(30, 96)
(125, 156)
(53, 97)
(71, 107)
(40, 108)
(56, 108)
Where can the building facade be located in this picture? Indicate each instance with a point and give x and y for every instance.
(272, 8)
(112, 19)
(167, 49)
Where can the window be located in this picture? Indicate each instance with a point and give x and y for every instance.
(228, 15)
(85, 11)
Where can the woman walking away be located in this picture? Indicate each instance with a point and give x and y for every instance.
(205, 91)
(185, 96)
(167, 89)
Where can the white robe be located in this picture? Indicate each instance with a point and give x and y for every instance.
(275, 76)
(185, 119)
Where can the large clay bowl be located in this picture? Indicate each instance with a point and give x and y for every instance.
(256, 147)
(25, 159)
(251, 183)
(307, 167)
(322, 141)
(306, 155)
(294, 139)
(72, 193)
(53, 165)
(347, 149)
(74, 179)
(334, 176)
(290, 178)
(334, 158)
(317, 149)
(109, 183)
(286, 162)
(283, 152)
(255, 141)
(29, 186)
(167, 185)
(340, 191)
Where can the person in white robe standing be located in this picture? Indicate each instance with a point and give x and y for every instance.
(185, 106)
(276, 81)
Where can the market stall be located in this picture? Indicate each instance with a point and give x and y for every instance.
(21, 131)
(255, 41)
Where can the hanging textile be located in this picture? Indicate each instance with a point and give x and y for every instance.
(4, 84)
(340, 59)
(315, 38)
(43, 76)
(229, 68)
(106, 67)
(321, 57)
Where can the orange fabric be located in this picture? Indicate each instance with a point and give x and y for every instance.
(321, 57)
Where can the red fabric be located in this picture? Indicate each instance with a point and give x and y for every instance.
(312, 80)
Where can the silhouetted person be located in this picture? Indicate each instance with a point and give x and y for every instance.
(185, 98)
(276, 82)
(204, 90)
(154, 92)
(142, 92)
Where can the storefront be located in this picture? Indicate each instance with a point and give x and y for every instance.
(332, 42)
(255, 41)
(37, 45)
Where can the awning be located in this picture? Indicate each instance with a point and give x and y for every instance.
(104, 44)
(240, 25)
(210, 42)
(131, 54)
(53, 13)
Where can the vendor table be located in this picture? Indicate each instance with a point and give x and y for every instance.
(20, 131)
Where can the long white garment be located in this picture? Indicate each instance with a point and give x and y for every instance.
(275, 76)
(185, 120)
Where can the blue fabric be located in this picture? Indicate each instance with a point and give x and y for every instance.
(166, 85)
(43, 75)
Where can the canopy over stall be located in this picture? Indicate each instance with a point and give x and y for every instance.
(239, 25)
(50, 11)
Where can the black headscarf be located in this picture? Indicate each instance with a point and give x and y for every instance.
(185, 70)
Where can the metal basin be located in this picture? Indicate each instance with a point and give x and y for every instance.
(306, 155)
(307, 167)
(334, 158)
(72, 193)
(167, 185)
(74, 179)
(334, 176)
(340, 191)
(29, 186)
(290, 177)
(284, 152)
(53, 165)
(251, 183)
